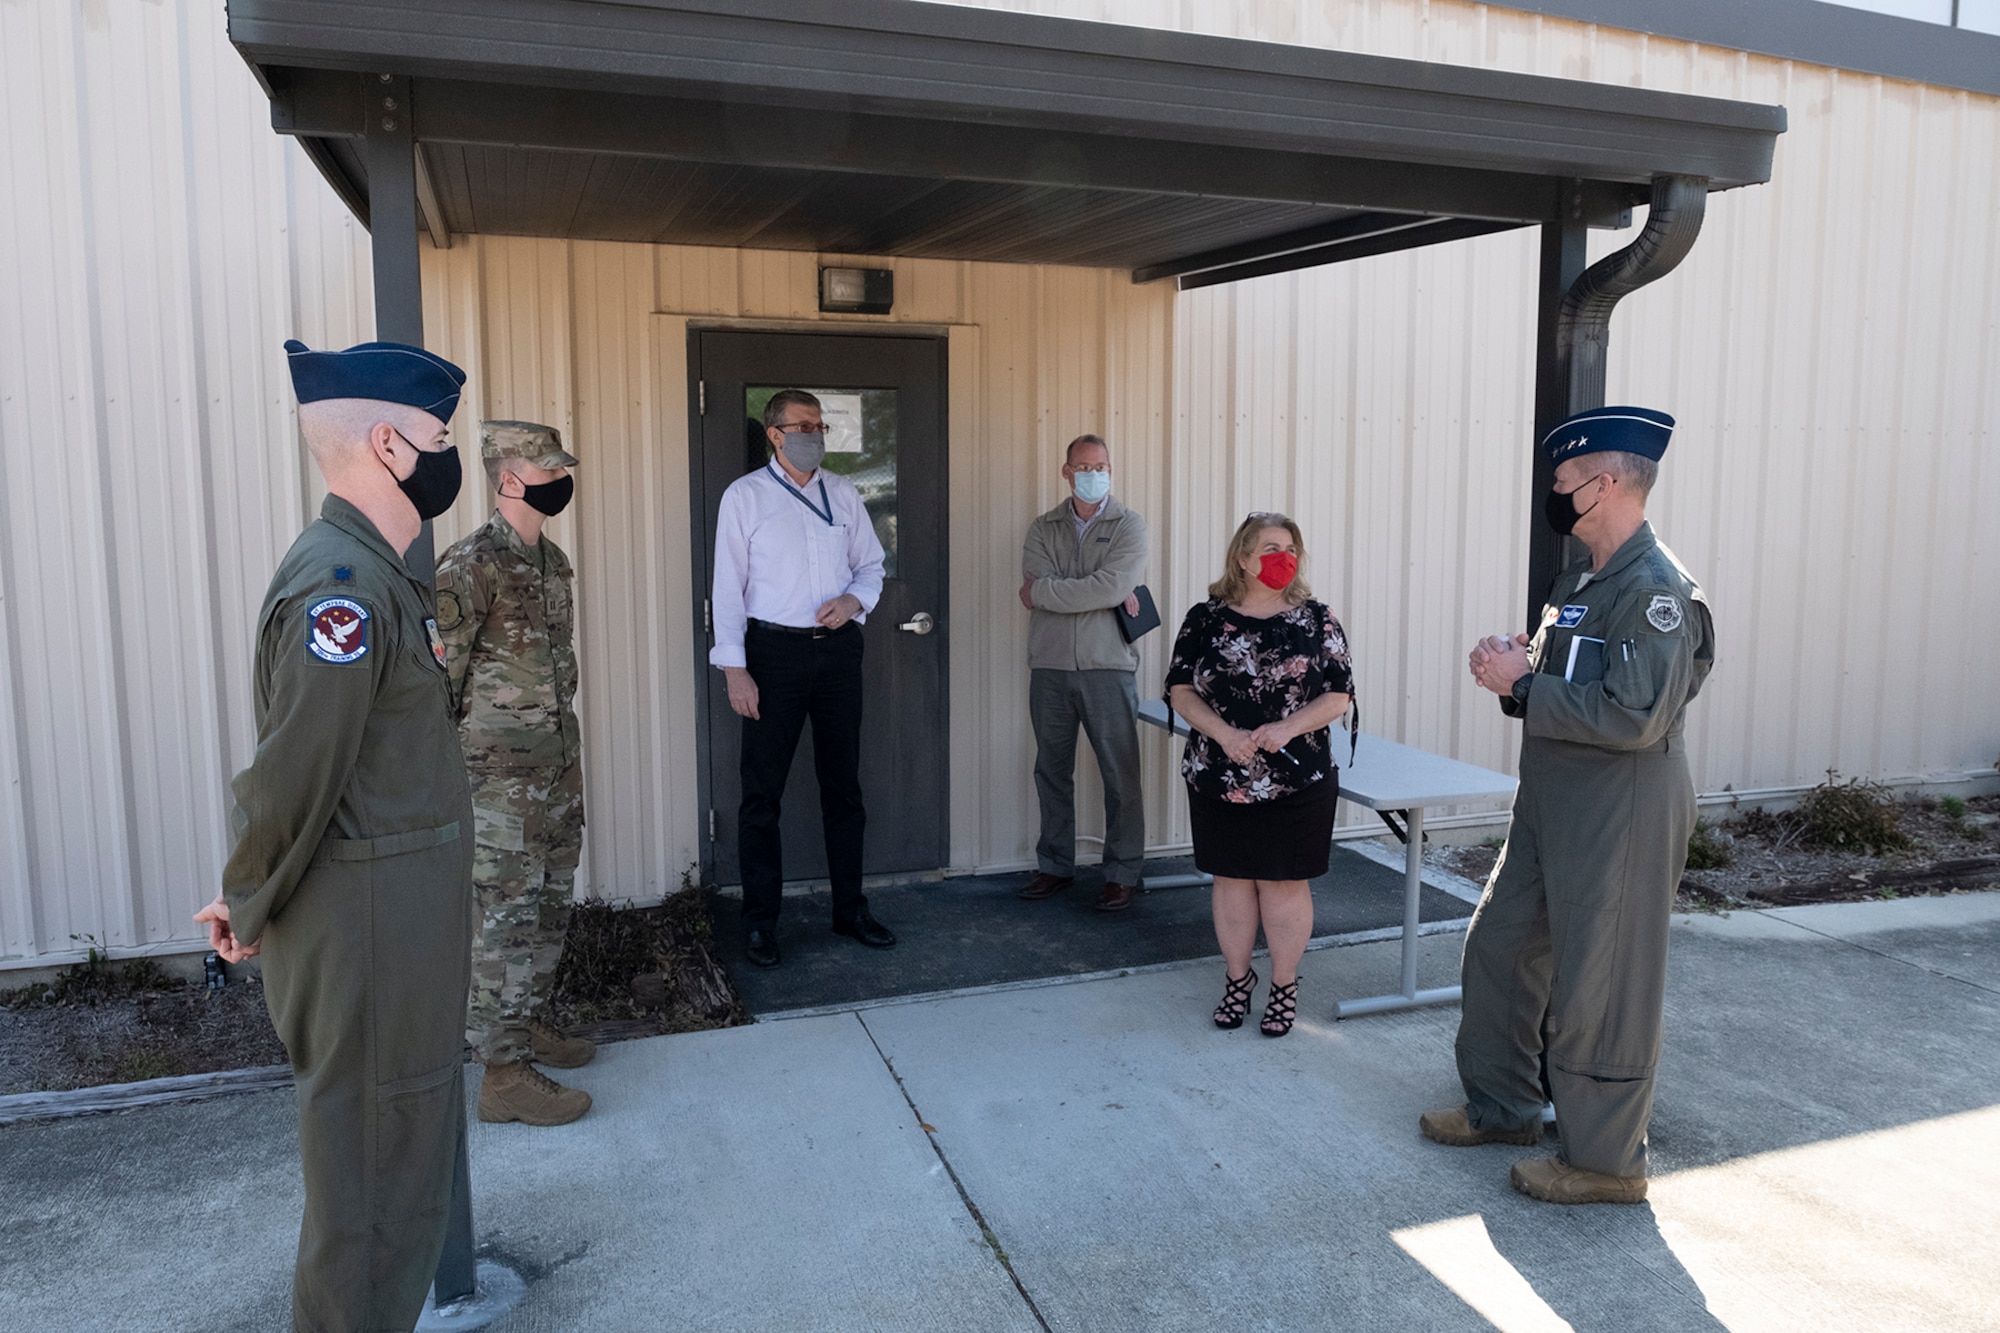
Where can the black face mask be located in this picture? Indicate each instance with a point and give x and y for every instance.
(1559, 508)
(433, 484)
(548, 497)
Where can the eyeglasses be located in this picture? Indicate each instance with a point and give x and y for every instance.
(802, 427)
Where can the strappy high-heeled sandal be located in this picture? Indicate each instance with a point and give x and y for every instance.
(1235, 1000)
(1282, 1010)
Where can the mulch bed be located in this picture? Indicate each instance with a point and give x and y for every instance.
(632, 972)
(1774, 860)
(112, 1023)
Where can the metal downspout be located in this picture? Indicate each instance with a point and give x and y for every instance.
(1583, 327)
(1582, 337)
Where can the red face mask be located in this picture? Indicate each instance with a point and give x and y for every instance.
(1277, 569)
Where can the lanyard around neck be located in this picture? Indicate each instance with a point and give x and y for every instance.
(825, 515)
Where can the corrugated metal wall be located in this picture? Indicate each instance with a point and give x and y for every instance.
(158, 244)
(1829, 349)
(593, 337)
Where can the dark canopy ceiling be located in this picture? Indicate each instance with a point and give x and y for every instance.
(904, 128)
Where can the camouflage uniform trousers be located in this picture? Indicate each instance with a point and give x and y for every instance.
(528, 837)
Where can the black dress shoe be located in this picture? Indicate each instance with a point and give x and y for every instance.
(867, 929)
(762, 948)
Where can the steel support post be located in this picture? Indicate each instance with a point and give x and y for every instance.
(399, 317)
(1562, 264)
(1572, 348)
(457, 1276)
(392, 235)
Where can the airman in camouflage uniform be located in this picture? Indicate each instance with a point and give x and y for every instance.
(505, 609)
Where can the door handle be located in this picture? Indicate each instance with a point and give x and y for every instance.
(921, 623)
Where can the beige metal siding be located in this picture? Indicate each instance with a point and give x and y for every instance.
(158, 243)
(593, 338)
(1829, 349)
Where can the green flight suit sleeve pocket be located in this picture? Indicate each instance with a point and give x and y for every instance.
(1628, 675)
(499, 828)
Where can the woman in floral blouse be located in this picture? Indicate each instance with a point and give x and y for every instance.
(1261, 671)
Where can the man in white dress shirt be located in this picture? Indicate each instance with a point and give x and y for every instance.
(797, 569)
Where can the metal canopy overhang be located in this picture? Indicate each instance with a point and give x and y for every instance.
(899, 127)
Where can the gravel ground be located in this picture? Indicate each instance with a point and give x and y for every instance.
(123, 1022)
(1772, 859)
(80, 1036)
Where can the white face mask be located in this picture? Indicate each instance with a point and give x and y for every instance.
(1091, 487)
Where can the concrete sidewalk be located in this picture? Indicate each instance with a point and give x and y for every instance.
(1094, 1156)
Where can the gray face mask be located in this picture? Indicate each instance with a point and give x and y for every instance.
(804, 450)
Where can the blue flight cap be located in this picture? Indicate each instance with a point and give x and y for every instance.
(385, 372)
(1628, 430)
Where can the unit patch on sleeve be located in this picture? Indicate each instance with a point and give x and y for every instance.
(437, 640)
(1571, 617)
(1663, 613)
(337, 630)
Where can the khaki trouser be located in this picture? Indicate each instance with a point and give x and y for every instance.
(374, 1028)
(1566, 958)
(1106, 705)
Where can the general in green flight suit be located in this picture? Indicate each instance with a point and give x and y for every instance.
(1565, 963)
(352, 870)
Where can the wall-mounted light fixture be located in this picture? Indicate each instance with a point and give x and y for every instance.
(857, 291)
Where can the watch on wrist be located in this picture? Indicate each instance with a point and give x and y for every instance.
(1521, 687)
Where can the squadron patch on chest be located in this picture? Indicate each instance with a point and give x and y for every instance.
(1571, 617)
(1663, 613)
(437, 640)
(337, 630)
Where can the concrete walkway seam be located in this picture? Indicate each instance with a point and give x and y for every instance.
(964, 1197)
(1893, 958)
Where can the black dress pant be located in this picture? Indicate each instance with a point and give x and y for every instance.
(800, 677)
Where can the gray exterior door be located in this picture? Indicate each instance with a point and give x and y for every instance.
(884, 400)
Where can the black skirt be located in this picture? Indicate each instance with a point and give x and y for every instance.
(1288, 838)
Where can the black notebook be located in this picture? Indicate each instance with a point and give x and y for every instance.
(1136, 627)
(1586, 660)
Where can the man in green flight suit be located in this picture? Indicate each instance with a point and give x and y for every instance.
(1565, 963)
(506, 612)
(352, 870)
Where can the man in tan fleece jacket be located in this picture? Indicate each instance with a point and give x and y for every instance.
(1082, 559)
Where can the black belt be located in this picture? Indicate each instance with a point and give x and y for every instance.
(803, 631)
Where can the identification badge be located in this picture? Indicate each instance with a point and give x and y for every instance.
(337, 630)
(1571, 617)
(437, 640)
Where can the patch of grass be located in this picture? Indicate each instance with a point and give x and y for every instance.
(1709, 848)
(1855, 814)
(135, 1066)
(1951, 807)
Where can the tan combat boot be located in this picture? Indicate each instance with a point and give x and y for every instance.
(1453, 1127)
(519, 1091)
(557, 1049)
(1552, 1180)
